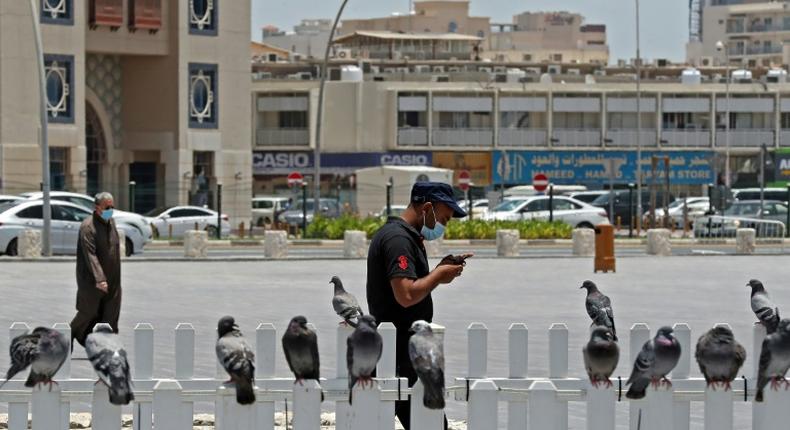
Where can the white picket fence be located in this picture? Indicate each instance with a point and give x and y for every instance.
(536, 403)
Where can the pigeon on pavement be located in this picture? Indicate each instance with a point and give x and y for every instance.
(763, 307)
(719, 356)
(774, 359)
(44, 350)
(237, 358)
(658, 357)
(599, 307)
(345, 304)
(363, 352)
(600, 356)
(106, 353)
(427, 358)
(300, 345)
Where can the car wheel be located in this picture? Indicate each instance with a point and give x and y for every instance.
(12, 250)
(267, 221)
(129, 247)
(260, 223)
(212, 231)
(585, 224)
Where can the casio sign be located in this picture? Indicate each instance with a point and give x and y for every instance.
(404, 160)
(272, 160)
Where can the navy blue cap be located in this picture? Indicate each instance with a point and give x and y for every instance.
(436, 192)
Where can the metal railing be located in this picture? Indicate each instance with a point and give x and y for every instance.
(686, 138)
(750, 138)
(282, 137)
(522, 137)
(577, 137)
(413, 136)
(627, 138)
(463, 137)
(718, 227)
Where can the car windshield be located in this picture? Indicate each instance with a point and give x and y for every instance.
(743, 209)
(8, 205)
(508, 206)
(156, 212)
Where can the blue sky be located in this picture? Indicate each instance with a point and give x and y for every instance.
(664, 22)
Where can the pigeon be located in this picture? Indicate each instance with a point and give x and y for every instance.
(363, 352)
(658, 357)
(237, 358)
(600, 356)
(774, 359)
(427, 359)
(106, 353)
(300, 345)
(44, 350)
(345, 304)
(763, 307)
(599, 307)
(719, 357)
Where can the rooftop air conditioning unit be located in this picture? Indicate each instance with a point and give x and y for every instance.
(454, 69)
(484, 69)
(438, 69)
(343, 54)
(706, 61)
(440, 78)
(500, 69)
(576, 72)
(422, 69)
(500, 77)
(555, 69)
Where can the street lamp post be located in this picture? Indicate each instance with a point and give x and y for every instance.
(638, 126)
(722, 46)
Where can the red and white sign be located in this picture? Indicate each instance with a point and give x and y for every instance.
(294, 179)
(540, 182)
(464, 180)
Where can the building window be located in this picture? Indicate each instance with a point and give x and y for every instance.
(293, 119)
(527, 57)
(203, 17)
(59, 72)
(60, 12)
(58, 168)
(481, 34)
(203, 95)
(452, 27)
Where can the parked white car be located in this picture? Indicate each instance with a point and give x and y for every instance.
(6, 199)
(18, 216)
(697, 207)
(266, 209)
(87, 202)
(479, 208)
(184, 218)
(571, 211)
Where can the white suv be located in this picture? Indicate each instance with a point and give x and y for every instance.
(266, 209)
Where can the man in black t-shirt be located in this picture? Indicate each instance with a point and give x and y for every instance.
(400, 282)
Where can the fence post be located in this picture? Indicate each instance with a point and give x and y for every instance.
(64, 373)
(46, 409)
(185, 351)
(167, 406)
(366, 408)
(640, 333)
(143, 370)
(265, 359)
(718, 409)
(600, 408)
(343, 417)
(658, 409)
(386, 369)
(307, 405)
(542, 404)
(558, 366)
(230, 415)
(17, 411)
(518, 349)
(423, 418)
(478, 350)
(482, 405)
(682, 409)
(104, 415)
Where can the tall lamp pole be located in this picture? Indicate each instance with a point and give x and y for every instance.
(320, 113)
(638, 126)
(722, 46)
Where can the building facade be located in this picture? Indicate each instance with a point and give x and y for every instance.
(308, 39)
(150, 91)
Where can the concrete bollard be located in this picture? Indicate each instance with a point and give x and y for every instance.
(433, 248)
(29, 244)
(355, 244)
(744, 240)
(275, 244)
(507, 243)
(122, 242)
(658, 242)
(196, 244)
(583, 242)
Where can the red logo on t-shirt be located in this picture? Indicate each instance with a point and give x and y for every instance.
(403, 263)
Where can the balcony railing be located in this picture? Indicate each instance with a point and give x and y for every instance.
(413, 136)
(756, 28)
(784, 138)
(745, 138)
(686, 138)
(627, 138)
(517, 137)
(463, 137)
(576, 137)
(283, 137)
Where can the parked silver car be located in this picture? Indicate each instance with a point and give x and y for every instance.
(184, 218)
(18, 216)
(566, 209)
(767, 221)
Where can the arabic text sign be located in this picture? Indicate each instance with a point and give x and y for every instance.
(593, 167)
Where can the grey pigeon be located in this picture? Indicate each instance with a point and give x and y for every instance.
(599, 307)
(774, 359)
(345, 304)
(237, 358)
(427, 358)
(44, 351)
(300, 345)
(719, 356)
(658, 357)
(106, 353)
(763, 307)
(363, 352)
(601, 355)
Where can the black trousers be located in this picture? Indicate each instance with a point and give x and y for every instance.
(404, 369)
(95, 307)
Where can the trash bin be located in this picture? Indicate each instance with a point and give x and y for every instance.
(604, 248)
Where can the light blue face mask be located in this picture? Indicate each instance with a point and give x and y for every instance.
(432, 233)
(106, 214)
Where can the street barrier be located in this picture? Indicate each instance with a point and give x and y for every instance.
(196, 244)
(658, 242)
(744, 240)
(355, 244)
(583, 242)
(507, 243)
(275, 244)
(29, 244)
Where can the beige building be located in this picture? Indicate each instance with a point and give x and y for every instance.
(755, 33)
(394, 46)
(559, 37)
(151, 91)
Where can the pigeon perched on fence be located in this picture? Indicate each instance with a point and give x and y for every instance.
(44, 350)
(774, 359)
(601, 355)
(763, 307)
(658, 357)
(345, 304)
(106, 353)
(719, 356)
(237, 358)
(363, 352)
(300, 345)
(427, 358)
(599, 307)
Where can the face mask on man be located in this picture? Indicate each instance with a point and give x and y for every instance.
(432, 233)
(106, 214)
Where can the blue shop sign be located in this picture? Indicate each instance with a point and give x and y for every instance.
(593, 167)
(284, 162)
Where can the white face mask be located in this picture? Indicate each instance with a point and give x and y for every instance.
(432, 233)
